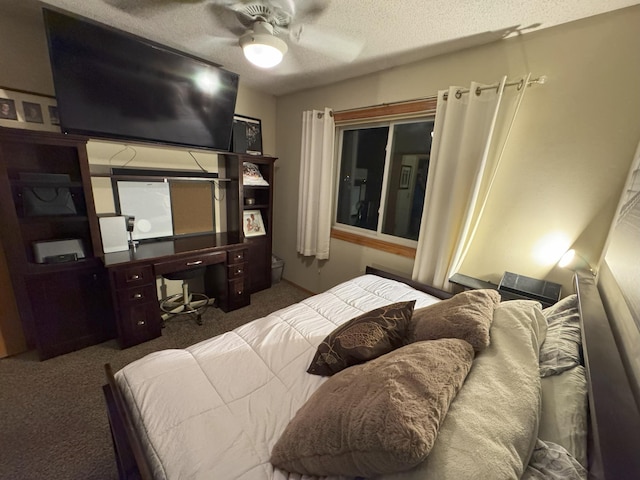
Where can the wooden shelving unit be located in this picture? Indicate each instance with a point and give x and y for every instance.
(62, 306)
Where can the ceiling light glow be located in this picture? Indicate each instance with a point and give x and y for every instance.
(261, 47)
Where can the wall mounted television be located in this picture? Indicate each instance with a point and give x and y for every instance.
(111, 84)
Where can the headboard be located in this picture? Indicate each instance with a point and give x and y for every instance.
(615, 386)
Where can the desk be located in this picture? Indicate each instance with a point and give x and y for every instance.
(132, 276)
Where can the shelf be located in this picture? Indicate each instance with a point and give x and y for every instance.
(257, 187)
(257, 206)
(152, 178)
(31, 183)
(54, 218)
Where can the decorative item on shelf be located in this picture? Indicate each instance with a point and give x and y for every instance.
(574, 261)
(251, 175)
(30, 110)
(247, 135)
(252, 223)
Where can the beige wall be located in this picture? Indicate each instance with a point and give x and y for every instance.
(564, 166)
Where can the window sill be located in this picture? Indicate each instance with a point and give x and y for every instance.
(388, 247)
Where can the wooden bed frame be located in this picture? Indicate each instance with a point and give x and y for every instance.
(614, 437)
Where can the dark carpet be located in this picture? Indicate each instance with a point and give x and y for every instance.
(53, 417)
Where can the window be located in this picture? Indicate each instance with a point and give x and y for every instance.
(383, 177)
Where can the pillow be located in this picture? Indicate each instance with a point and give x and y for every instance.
(561, 349)
(564, 412)
(378, 418)
(467, 315)
(363, 338)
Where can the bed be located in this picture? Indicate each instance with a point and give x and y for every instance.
(233, 406)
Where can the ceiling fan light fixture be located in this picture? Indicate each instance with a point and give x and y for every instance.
(261, 47)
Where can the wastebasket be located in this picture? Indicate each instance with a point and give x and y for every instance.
(277, 265)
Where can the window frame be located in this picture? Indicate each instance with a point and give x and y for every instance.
(380, 115)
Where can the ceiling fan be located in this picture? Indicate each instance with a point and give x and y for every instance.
(266, 22)
(263, 28)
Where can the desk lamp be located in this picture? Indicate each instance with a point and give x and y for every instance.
(130, 220)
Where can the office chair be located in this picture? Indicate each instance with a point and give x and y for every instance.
(185, 302)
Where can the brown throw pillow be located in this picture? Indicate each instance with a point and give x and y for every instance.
(467, 315)
(377, 418)
(363, 338)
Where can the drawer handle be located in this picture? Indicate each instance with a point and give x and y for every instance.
(238, 256)
(239, 271)
(239, 292)
(138, 296)
(141, 323)
(134, 277)
(191, 264)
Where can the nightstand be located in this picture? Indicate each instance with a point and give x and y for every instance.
(509, 287)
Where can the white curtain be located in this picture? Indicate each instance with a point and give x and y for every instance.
(316, 183)
(470, 132)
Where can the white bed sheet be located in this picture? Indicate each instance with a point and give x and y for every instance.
(215, 410)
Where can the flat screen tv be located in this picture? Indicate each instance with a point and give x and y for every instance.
(111, 84)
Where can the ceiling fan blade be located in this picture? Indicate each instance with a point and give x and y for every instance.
(224, 16)
(328, 42)
(208, 42)
(144, 6)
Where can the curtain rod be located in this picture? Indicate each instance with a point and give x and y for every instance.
(520, 83)
(540, 80)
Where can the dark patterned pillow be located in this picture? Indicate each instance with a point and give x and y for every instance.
(363, 338)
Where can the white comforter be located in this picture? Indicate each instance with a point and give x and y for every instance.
(215, 410)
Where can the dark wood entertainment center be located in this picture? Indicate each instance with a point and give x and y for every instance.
(73, 304)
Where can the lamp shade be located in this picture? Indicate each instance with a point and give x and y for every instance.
(261, 47)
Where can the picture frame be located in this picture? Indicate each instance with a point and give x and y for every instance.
(405, 177)
(252, 223)
(28, 110)
(247, 135)
(32, 112)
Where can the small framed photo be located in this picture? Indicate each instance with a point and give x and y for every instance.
(405, 177)
(32, 112)
(252, 223)
(28, 110)
(247, 135)
(53, 115)
(8, 109)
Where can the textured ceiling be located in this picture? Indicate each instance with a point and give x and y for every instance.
(383, 33)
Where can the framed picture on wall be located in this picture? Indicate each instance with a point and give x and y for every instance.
(247, 135)
(8, 109)
(32, 112)
(29, 110)
(252, 223)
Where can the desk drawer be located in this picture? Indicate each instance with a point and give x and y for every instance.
(139, 323)
(141, 294)
(236, 271)
(133, 276)
(238, 294)
(189, 262)
(237, 256)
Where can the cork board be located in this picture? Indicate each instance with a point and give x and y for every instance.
(192, 207)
